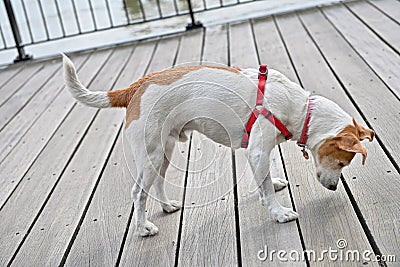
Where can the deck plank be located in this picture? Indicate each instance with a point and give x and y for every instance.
(389, 7)
(216, 45)
(326, 216)
(60, 221)
(102, 231)
(258, 229)
(56, 224)
(360, 81)
(20, 212)
(13, 86)
(65, 199)
(208, 189)
(14, 131)
(382, 59)
(377, 206)
(8, 73)
(20, 160)
(110, 209)
(190, 48)
(160, 249)
(19, 99)
(386, 28)
(208, 228)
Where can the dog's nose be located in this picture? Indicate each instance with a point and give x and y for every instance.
(319, 175)
(332, 187)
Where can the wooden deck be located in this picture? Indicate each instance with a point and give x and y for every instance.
(65, 185)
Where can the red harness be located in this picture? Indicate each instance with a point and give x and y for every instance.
(260, 109)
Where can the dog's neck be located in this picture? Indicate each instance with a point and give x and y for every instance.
(327, 120)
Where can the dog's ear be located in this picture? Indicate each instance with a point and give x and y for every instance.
(363, 133)
(350, 143)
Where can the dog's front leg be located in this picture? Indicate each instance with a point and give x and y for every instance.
(276, 172)
(259, 152)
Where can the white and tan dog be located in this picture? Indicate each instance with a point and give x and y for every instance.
(217, 101)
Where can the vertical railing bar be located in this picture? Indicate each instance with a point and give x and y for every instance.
(60, 17)
(78, 24)
(128, 20)
(159, 9)
(109, 14)
(194, 24)
(205, 4)
(27, 21)
(92, 13)
(176, 8)
(43, 19)
(3, 39)
(142, 10)
(113, 22)
(16, 34)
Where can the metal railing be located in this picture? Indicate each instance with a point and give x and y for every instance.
(30, 22)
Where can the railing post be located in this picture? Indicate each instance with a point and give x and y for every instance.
(194, 24)
(17, 37)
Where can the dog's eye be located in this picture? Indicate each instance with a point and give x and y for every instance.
(341, 164)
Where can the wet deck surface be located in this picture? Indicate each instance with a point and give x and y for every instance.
(66, 175)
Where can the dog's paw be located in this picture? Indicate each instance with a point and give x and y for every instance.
(147, 229)
(279, 183)
(171, 206)
(282, 214)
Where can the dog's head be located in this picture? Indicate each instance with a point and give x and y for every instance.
(337, 152)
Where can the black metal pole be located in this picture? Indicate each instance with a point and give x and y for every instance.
(22, 56)
(194, 24)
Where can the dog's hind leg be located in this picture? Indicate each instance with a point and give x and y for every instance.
(148, 169)
(140, 194)
(167, 205)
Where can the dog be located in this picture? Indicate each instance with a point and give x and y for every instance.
(217, 101)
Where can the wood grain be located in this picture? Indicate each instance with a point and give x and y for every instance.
(363, 85)
(375, 185)
(381, 58)
(390, 7)
(102, 231)
(8, 73)
(160, 249)
(386, 28)
(215, 45)
(19, 99)
(208, 228)
(14, 85)
(17, 126)
(19, 161)
(257, 228)
(65, 187)
(44, 187)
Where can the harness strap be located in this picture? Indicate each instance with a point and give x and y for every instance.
(262, 79)
(302, 142)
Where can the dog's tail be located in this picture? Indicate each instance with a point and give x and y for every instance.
(79, 91)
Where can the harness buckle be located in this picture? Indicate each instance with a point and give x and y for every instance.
(262, 73)
(304, 150)
(305, 153)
